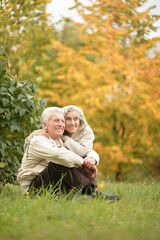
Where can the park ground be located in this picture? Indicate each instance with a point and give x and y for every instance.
(55, 217)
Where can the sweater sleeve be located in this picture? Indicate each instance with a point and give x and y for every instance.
(94, 155)
(81, 146)
(41, 148)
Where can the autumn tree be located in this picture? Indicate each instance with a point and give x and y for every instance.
(69, 35)
(101, 65)
(26, 33)
(111, 78)
(115, 35)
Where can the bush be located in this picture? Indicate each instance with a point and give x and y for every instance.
(19, 113)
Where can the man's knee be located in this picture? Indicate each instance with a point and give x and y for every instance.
(59, 168)
(54, 167)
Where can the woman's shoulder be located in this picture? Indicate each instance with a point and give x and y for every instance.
(87, 131)
(83, 133)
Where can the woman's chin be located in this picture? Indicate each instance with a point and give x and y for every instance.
(72, 131)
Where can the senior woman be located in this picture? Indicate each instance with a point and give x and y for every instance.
(78, 136)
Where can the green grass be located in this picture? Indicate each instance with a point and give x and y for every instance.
(136, 216)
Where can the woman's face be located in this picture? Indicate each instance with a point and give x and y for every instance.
(72, 121)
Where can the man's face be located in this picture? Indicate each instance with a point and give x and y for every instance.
(72, 122)
(55, 125)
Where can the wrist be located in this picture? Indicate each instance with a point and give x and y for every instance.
(93, 160)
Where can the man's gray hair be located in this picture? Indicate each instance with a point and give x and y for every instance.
(49, 111)
(71, 108)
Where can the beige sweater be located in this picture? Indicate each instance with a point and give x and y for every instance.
(81, 143)
(39, 152)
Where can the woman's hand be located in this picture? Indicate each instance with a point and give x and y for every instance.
(40, 132)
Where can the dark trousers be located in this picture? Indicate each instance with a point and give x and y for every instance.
(62, 177)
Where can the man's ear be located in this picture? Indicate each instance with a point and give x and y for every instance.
(45, 126)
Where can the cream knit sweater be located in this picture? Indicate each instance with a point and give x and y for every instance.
(39, 152)
(81, 143)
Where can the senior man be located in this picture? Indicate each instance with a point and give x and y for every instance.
(46, 162)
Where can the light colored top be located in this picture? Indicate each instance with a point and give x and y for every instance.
(81, 143)
(39, 152)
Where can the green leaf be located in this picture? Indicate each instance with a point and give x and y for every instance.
(29, 96)
(19, 84)
(8, 142)
(32, 120)
(12, 89)
(20, 149)
(8, 115)
(3, 164)
(29, 103)
(13, 128)
(17, 109)
(3, 145)
(3, 89)
(22, 112)
(2, 110)
(13, 81)
(20, 96)
(5, 101)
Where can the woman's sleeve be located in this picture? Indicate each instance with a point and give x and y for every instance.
(83, 145)
(94, 155)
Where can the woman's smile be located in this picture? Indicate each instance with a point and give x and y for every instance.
(72, 122)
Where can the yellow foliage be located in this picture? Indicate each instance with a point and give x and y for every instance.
(112, 156)
(47, 76)
(109, 74)
(39, 68)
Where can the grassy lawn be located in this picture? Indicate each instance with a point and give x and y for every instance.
(136, 216)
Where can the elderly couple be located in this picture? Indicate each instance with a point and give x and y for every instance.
(61, 155)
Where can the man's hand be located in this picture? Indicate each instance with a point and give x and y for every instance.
(89, 165)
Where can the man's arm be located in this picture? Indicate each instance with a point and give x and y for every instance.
(41, 148)
(94, 155)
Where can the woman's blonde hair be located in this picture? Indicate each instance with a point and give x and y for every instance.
(71, 108)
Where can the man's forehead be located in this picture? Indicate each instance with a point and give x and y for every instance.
(57, 115)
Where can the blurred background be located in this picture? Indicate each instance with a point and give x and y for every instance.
(103, 56)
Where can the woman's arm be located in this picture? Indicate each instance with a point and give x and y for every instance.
(84, 143)
(40, 132)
